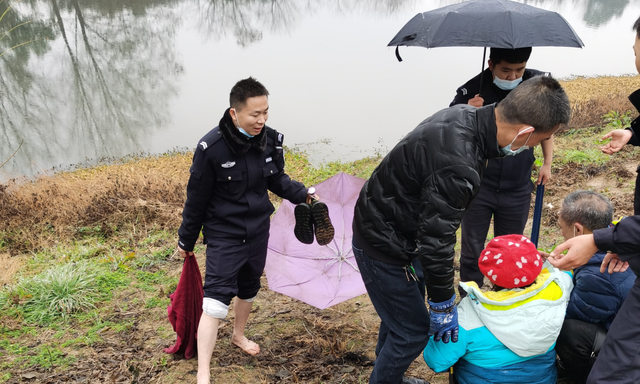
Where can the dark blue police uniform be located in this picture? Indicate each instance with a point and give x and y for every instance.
(505, 191)
(619, 359)
(227, 199)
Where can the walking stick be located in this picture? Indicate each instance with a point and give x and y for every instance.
(537, 215)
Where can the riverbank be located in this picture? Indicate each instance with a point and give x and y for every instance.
(107, 236)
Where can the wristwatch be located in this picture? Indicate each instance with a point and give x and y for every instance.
(311, 191)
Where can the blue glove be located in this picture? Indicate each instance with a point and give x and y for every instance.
(444, 320)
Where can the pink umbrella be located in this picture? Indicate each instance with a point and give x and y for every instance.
(325, 275)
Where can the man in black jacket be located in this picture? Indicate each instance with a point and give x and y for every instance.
(631, 135)
(505, 189)
(619, 358)
(408, 212)
(233, 167)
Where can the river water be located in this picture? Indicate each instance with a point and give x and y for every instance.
(110, 78)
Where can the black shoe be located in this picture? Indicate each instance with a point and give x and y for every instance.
(322, 223)
(304, 225)
(413, 380)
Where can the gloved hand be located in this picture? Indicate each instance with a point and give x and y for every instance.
(444, 320)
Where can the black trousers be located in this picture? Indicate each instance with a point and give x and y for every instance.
(234, 268)
(509, 211)
(576, 348)
(619, 359)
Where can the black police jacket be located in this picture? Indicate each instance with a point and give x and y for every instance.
(623, 240)
(415, 199)
(513, 173)
(634, 98)
(227, 190)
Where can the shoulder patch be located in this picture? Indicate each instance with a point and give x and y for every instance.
(210, 138)
(463, 90)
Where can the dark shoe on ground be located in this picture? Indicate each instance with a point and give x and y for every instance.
(413, 380)
(304, 223)
(322, 223)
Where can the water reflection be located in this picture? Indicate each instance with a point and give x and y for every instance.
(248, 19)
(595, 12)
(102, 77)
(100, 89)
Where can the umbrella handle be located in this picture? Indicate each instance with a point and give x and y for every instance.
(484, 56)
(537, 214)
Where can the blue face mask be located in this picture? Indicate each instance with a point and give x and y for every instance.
(506, 84)
(507, 150)
(239, 127)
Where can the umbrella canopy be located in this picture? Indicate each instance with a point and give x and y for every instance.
(488, 23)
(321, 276)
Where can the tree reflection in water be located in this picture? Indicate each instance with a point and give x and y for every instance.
(99, 77)
(102, 88)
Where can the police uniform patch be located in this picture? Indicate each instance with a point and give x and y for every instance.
(228, 164)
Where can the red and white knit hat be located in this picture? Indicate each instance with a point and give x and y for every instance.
(510, 261)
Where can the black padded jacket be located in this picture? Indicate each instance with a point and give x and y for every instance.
(415, 199)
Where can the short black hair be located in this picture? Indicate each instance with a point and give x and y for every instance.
(540, 102)
(511, 56)
(592, 210)
(636, 27)
(245, 89)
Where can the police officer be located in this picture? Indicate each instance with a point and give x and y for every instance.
(233, 167)
(505, 192)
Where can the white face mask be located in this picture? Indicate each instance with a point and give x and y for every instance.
(506, 85)
(239, 127)
(507, 150)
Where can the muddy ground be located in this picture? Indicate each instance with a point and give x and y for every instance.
(299, 344)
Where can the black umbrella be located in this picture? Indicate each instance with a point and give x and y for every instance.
(488, 23)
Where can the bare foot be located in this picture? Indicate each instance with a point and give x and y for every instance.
(246, 345)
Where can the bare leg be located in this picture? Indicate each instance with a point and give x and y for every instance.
(242, 309)
(207, 336)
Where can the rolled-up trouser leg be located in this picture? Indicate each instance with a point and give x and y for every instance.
(214, 308)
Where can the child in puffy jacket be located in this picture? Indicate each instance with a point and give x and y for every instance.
(508, 334)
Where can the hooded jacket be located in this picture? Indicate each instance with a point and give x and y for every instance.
(413, 203)
(227, 190)
(507, 336)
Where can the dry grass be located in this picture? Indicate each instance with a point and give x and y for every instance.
(140, 193)
(593, 97)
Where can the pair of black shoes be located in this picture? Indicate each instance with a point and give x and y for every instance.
(313, 220)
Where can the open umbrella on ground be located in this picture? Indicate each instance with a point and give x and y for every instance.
(320, 276)
(487, 23)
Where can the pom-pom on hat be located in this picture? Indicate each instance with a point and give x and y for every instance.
(510, 261)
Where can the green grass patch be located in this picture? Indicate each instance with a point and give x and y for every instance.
(53, 294)
(48, 356)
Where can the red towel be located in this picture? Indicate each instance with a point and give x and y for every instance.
(186, 308)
